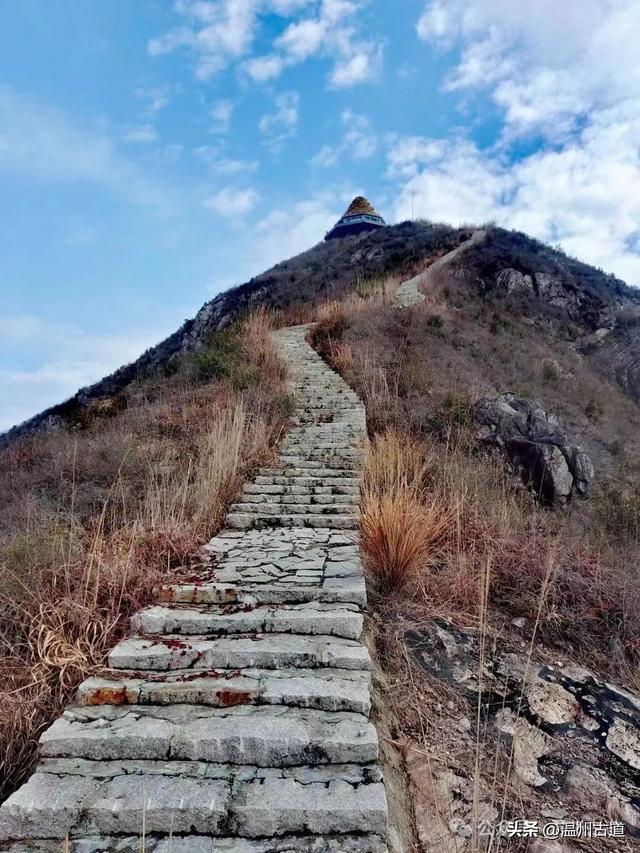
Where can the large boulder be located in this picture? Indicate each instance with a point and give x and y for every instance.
(514, 281)
(536, 444)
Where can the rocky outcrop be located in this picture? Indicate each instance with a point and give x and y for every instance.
(513, 281)
(573, 739)
(536, 444)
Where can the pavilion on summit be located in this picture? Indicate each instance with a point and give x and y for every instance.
(359, 216)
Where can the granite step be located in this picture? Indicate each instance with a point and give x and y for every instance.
(238, 802)
(264, 651)
(314, 618)
(189, 843)
(322, 689)
(349, 588)
(294, 508)
(245, 521)
(261, 736)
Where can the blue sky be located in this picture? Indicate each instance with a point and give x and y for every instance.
(153, 153)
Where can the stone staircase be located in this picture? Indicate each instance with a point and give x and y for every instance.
(236, 715)
(410, 291)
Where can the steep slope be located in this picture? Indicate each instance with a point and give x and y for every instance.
(325, 271)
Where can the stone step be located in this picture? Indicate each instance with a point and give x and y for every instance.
(322, 689)
(313, 488)
(264, 651)
(288, 499)
(291, 508)
(241, 803)
(294, 482)
(305, 473)
(317, 459)
(245, 521)
(349, 588)
(323, 464)
(261, 736)
(155, 843)
(314, 618)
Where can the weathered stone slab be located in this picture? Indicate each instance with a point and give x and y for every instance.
(307, 618)
(201, 844)
(258, 650)
(328, 690)
(268, 736)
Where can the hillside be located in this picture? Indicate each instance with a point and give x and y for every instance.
(499, 528)
(599, 311)
(325, 271)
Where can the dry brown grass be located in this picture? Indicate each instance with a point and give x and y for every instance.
(92, 520)
(403, 523)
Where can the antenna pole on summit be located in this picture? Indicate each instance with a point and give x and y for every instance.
(412, 199)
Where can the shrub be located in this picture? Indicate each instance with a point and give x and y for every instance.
(594, 409)
(402, 525)
(618, 511)
(551, 370)
(456, 408)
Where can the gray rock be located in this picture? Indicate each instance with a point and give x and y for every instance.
(534, 441)
(513, 281)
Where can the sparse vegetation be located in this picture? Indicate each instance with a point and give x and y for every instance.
(93, 516)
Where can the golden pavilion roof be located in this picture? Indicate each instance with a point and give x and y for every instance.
(359, 205)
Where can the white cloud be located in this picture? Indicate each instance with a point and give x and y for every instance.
(62, 358)
(291, 229)
(280, 125)
(142, 133)
(265, 68)
(359, 142)
(221, 113)
(584, 195)
(216, 33)
(233, 202)
(563, 75)
(40, 143)
(156, 98)
(360, 63)
(546, 65)
(219, 165)
(220, 33)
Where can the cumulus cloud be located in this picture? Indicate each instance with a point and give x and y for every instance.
(141, 133)
(280, 125)
(561, 74)
(218, 164)
(545, 66)
(294, 227)
(232, 202)
(155, 98)
(359, 141)
(221, 33)
(584, 195)
(221, 114)
(216, 33)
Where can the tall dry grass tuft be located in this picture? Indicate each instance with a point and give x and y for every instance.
(94, 520)
(403, 522)
(257, 345)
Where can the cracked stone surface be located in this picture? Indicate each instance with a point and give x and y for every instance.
(235, 717)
